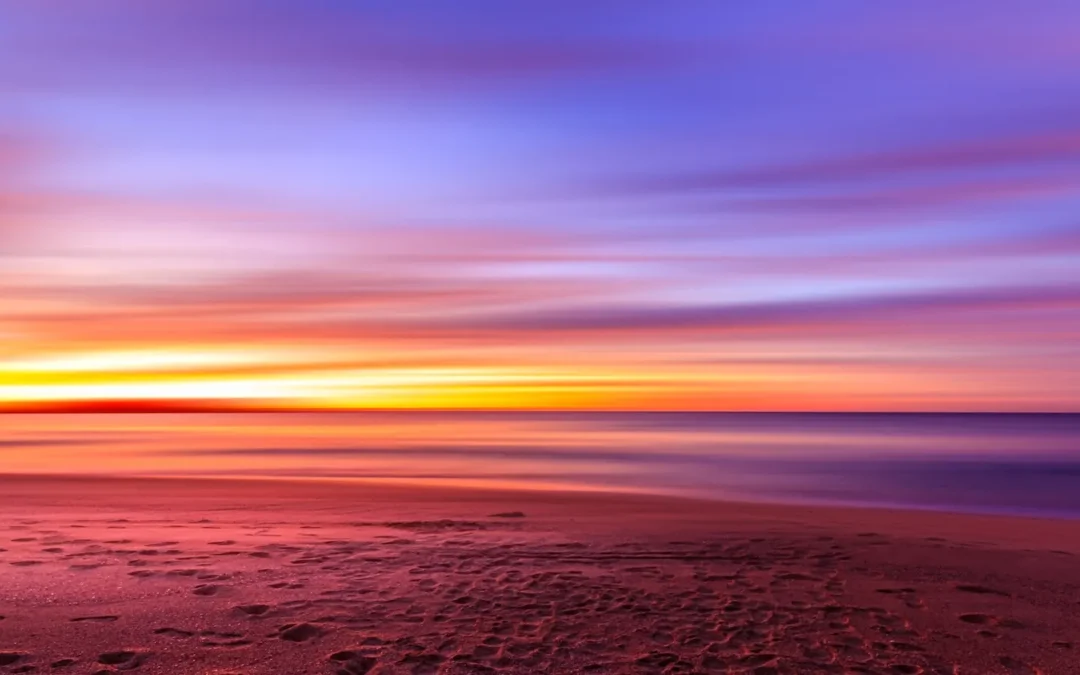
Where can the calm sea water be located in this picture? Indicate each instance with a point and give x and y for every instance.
(984, 463)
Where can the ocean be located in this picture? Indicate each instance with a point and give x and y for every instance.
(1025, 464)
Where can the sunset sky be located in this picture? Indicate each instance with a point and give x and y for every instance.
(836, 205)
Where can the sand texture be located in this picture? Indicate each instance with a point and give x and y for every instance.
(181, 576)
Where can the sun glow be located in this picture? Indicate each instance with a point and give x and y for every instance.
(306, 377)
(161, 359)
(278, 375)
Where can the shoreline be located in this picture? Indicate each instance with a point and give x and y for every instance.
(1046, 532)
(454, 485)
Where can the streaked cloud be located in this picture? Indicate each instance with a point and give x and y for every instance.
(618, 205)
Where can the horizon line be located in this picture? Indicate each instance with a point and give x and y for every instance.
(222, 407)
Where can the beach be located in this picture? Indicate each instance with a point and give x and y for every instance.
(539, 338)
(154, 575)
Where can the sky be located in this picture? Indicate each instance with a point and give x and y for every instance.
(774, 205)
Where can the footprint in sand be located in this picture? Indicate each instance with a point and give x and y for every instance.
(353, 662)
(300, 632)
(906, 647)
(795, 576)
(10, 658)
(26, 563)
(980, 590)
(123, 659)
(100, 619)
(62, 663)
(210, 638)
(229, 642)
(206, 589)
(207, 576)
(253, 610)
(422, 662)
(1016, 667)
(173, 632)
(986, 619)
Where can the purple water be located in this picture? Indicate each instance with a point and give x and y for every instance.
(1009, 463)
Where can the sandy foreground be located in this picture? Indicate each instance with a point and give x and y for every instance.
(193, 576)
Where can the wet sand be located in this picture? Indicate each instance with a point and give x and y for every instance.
(193, 576)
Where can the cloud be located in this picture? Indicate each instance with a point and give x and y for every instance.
(206, 44)
(445, 451)
(1036, 148)
(902, 200)
(17, 152)
(727, 184)
(18, 444)
(790, 314)
(21, 154)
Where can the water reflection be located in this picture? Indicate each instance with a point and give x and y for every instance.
(1015, 463)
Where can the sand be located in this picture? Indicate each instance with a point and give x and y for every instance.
(191, 576)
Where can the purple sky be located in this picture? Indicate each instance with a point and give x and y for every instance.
(703, 204)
